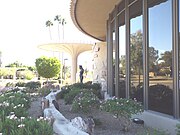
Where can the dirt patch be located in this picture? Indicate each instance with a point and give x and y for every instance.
(106, 124)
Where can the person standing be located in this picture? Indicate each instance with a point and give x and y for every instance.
(81, 73)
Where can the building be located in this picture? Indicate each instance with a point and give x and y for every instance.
(142, 52)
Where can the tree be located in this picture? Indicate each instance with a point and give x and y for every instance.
(58, 19)
(167, 58)
(47, 67)
(15, 64)
(63, 23)
(136, 53)
(153, 57)
(49, 24)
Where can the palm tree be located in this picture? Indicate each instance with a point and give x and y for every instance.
(63, 23)
(58, 19)
(49, 24)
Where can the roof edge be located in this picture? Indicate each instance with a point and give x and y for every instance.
(73, 6)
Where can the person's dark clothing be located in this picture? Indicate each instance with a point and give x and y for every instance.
(81, 73)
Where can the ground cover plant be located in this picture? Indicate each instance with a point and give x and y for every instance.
(14, 118)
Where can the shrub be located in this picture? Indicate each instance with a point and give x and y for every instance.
(160, 98)
(20, 84)
(33, 85)
(96, 87)
(28, 75)
(123, 109)
(64, 90)
(9, 84)
(14, 102)
(69, 97)
(44, 91)
(178, 129)
(22, 126)
(85, 101)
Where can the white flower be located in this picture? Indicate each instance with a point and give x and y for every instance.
(21, 125)
(12, 116)
(22, 118)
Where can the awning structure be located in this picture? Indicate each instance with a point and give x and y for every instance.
(90, 16)
(73, 49)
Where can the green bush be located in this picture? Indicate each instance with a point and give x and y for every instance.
(64, 90)
(20, 84)
(178, 129)
(33, 85)
(14, 102)
(44, 91)
(85, 101)
(123, 109)
(160, 98)
(23, 126)
(29, 75)
(69, 97)
(9, 84)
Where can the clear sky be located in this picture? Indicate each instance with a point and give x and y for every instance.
(22, 28)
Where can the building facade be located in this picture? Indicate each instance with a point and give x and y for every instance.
(143, 54)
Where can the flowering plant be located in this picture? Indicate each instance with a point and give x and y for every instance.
(13, 113)
(123, 109)
(14, 102)
(12, 125)
(85, 101)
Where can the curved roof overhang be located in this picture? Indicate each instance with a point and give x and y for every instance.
(90, 16)
(70, 48)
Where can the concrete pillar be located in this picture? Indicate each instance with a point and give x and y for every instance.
(74, 68)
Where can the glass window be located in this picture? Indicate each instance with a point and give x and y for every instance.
(114, 57)
(136, 51)
(160, 90)
(122, 56)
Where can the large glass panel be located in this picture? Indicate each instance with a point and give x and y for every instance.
(160, 90)
(122, 56)
(136, 51)
(114, 57)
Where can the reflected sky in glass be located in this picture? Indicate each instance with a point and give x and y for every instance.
(161, 15)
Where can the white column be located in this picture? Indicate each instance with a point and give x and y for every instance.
(74, 68)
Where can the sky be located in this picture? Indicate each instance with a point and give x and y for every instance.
(22, 28)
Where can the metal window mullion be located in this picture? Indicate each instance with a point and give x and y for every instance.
(107, 47)
(117, 53)
(127, 25)
(110, 66)
(145, 55)
(111, 58)
(175, 51)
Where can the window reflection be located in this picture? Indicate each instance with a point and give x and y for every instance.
(136, 52)
(114, 57)
(122, 56)
(160, 56)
